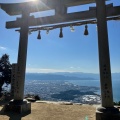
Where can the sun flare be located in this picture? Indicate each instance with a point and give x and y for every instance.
(34, 0)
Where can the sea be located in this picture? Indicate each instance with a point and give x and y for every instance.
(49, 86)
(115, 86)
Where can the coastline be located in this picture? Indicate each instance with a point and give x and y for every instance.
(57, 90)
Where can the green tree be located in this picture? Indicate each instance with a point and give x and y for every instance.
(5, 71)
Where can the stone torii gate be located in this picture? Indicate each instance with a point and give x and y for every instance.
(101, 12)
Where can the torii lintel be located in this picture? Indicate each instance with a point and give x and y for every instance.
(40, 5)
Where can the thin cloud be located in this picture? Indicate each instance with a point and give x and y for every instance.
(71, 67)
(38, 70)
(3, 48)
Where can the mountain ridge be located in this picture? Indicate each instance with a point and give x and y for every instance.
(67, 76)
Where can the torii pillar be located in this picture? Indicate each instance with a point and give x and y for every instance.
(18, 103)
(107, 111)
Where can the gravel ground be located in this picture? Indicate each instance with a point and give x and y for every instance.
(53, 111)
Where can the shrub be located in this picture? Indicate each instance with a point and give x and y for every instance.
(37, 97)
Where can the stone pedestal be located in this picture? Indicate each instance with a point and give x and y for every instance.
(21, 107)
(103, 113)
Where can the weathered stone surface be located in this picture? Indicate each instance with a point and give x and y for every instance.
(103, 113)
(18, 107)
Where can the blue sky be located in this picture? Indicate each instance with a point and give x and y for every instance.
(73, 53)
